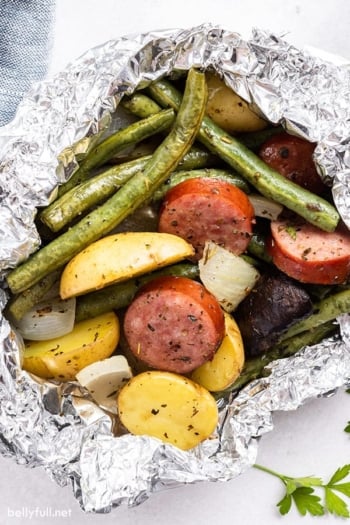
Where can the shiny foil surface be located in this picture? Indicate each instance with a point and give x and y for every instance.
(57, 426)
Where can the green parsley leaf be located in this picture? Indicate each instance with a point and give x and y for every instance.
(339, 474)
(307, 502)
(335, 505)
(285, 504)
(301, 491)
(344, 488)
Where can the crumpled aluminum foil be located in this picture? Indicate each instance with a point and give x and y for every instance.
(58, 427)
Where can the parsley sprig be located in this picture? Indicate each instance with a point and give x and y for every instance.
(302, 492)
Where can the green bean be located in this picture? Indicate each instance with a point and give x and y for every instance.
(134, 193)
(84, 196)
(251, 260)
(290, 345)
(120, 295)
(165, 94)
(254, 139)
(267, 181)
(257, 247)
(89, 193)
(325, 310)
(20, 304)
(308, 331)
(198, 158)
(117, 142)
(140, 105)
(212, 173)
(318, 292)
(254, 368)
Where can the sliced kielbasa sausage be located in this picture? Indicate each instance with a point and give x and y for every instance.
(292, 157)
(174, 324)
(309, 254)
(203, 209)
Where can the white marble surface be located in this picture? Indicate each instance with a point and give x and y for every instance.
(308, 441)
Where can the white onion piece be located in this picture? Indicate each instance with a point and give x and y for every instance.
(264, 207)
(103, 379)
(226, 275)
(48, 319)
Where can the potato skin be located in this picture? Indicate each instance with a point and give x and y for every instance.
(228, 110)
(169, 407)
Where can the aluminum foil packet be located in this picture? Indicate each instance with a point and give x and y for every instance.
(58, 427)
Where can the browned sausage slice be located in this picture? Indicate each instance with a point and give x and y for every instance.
(203, 209)
(309, 254)
(174, 324)
(292, 157)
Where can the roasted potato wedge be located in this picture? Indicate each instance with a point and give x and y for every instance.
(62, 358)
(227, 363)
(120, 257)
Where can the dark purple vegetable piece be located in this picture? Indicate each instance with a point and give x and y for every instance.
(276, 303)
